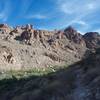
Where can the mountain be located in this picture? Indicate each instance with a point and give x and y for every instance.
(25, 48)
(49, 65)
(92, 40)
(80, 81)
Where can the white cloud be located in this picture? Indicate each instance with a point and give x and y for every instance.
(24, 5)
(77, 21)
(76, 11)
(96, 30)
(91, 6)
(37, 16)
(80, 22)
(77, 7)
(3, 17)
(64, 8)
(5, 11)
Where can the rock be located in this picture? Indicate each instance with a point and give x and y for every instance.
(64, 46)
(92, 40)
(80, 81)
(60, 34)
(52, 56)
(5, 28)
(71, 47)
(26, 36)
(9, 58)
(73, 35)
(36, 34)
(29, 26)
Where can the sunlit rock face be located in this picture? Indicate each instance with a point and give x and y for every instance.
(5, 28)
(42, 48)
(25, 48)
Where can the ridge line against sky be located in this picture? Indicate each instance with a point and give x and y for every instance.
(52, 14)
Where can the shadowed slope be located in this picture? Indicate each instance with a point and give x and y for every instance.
(81, 81)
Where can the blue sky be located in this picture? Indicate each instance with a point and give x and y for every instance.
(84, 15)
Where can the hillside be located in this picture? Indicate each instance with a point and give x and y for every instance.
(80, 81)
(25, 48)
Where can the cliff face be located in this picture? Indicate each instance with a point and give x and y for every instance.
(80, 81)
(24, 47)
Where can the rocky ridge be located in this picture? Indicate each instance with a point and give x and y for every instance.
(23, 47)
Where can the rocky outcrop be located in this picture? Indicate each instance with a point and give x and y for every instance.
(51, 47)
(92, 39)
(73, 35)
(26, 36)
(79, 81)
(5, 28)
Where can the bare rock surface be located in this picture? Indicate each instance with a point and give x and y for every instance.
(92, 39)
(23, 47)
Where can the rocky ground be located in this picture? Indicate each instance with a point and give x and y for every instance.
(80, 81)
(23, 47)
(49, 65)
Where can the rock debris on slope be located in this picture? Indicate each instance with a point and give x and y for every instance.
(23, 47)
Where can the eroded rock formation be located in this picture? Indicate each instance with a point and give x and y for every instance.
(50, 47)
(92, 39)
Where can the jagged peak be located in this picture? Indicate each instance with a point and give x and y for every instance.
(3, 26)
(70, 29)
(92, 34)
